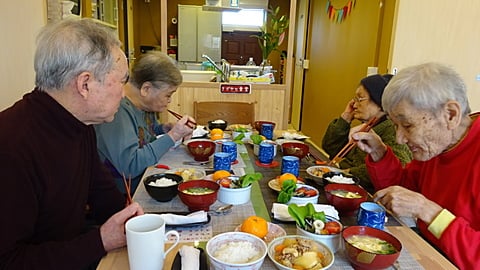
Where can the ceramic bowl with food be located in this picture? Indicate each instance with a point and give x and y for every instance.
(201, 149)
(163, 186)
(246, 134)
(236, 195)
(316, 172)
(304, 194)
(188, 173)
(340, 178)
(297, 149)
(198, 194)
(258, 124)
(283, 251)
(236, 250)
(370, 248)
(221, 124)
(330, 235)
(345, 198)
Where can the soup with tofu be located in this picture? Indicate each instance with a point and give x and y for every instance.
(371, 244)
(198, 191)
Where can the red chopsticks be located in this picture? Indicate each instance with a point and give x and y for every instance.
(128, 189)
(351, 144)
(189, 123)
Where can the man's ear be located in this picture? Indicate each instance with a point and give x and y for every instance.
(82, 82)
(453, 114)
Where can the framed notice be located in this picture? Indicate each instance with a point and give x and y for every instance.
(235, 88)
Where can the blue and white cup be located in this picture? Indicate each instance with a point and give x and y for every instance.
(291, 164)
(266, 153)
(221, 161)
(372, 215)
(231, 148)
(267, 131)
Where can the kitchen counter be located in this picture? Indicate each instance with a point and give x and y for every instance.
(270, 100)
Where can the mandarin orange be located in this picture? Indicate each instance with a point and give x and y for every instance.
(255, 225)
(220, 174)
(286, 176)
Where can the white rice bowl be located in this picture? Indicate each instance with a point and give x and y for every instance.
(236, 250)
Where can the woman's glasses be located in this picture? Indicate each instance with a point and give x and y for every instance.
(359, 99)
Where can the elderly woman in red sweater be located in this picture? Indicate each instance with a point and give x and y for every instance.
(428, 104)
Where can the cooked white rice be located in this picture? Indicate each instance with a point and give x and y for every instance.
(162, 182)
(237, 252)
(340, 179)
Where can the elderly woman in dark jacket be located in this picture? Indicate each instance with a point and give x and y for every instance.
(365, 105)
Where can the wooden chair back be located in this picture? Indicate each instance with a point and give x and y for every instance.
(232, 112)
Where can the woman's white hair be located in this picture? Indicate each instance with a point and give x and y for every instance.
(427, 87)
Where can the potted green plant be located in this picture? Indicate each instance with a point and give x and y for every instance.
(272, 33)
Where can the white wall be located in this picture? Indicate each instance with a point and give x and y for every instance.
(442, 31)
(20, 22)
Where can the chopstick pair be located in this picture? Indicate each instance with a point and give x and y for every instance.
(128, 189)
(351, 144)
(189, 123)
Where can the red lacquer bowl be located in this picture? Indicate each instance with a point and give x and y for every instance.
(361, 259)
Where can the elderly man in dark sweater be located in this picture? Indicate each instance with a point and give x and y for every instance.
(50, 168)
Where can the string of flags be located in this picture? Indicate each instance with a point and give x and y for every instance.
(338, 15)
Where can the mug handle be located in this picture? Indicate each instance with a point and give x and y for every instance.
(177, 240)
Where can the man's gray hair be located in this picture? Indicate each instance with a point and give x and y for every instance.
(69, 47)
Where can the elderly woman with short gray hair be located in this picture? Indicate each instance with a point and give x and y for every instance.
(134, 139)
(441, 186)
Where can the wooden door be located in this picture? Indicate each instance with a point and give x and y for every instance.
(238, 47)
(339, 53)
(301, 27)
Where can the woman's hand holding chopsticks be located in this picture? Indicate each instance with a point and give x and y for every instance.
(352, 142)
(369, 142)
(181, 130)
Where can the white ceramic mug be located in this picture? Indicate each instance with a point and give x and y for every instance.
(146, 242)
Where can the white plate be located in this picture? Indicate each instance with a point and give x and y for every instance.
(316, 171)
(282, 141)
(293, 136)
(273, 184)
(274, 231)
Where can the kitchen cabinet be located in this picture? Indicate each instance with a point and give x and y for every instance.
(199, 32)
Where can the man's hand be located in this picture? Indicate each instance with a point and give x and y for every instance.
(113, 230)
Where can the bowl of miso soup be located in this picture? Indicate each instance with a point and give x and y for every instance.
(345, 197)
(198, 194)
(370, 248)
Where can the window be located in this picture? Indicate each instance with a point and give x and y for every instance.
(245, 19)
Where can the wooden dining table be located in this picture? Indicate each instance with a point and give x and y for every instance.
(416, 252)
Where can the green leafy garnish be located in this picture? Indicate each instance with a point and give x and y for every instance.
(301, 213)
(241, 129)
(256, 138)
(248, 179)
(286, 193)
(239, 138)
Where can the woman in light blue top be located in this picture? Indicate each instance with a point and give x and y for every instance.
(131, 142)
